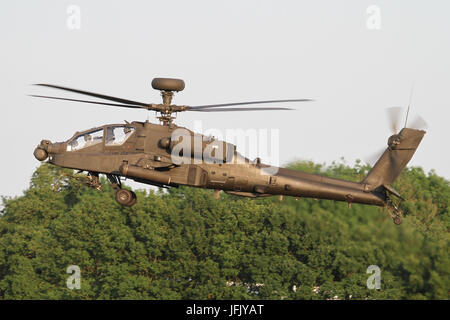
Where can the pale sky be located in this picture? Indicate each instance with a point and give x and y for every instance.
(229, 51)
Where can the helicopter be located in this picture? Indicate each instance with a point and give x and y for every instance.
(166, 155)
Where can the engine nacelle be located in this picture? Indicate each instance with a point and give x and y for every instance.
(199, 147)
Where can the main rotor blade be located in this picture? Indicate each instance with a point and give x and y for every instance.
(248, 102)
(87, 101)
(239, 109)
(92, 94)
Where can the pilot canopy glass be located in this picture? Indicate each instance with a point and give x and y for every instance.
(85, 140)
(117, 135)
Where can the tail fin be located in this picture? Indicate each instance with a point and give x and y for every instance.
(400, 151)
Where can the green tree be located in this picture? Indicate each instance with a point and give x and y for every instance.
(183, 244)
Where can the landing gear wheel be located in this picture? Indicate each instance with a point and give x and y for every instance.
(125, 197)
(133, 199)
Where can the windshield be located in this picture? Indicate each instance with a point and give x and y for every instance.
(85, 140)
(117, 135)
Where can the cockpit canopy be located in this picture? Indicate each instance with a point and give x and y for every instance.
(115, 135)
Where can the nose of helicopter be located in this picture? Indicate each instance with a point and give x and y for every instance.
(45, 148)
(40, 154)
(41, 151)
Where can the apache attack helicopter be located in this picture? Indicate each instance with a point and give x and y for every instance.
(150, 153)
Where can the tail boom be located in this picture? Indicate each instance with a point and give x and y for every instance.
(301, 184)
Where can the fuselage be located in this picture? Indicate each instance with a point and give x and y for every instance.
(150, 153)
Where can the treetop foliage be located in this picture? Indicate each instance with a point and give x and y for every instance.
(183, 244)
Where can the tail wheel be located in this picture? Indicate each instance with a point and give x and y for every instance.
(125, 197)
(394, 212)
(397, 220)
